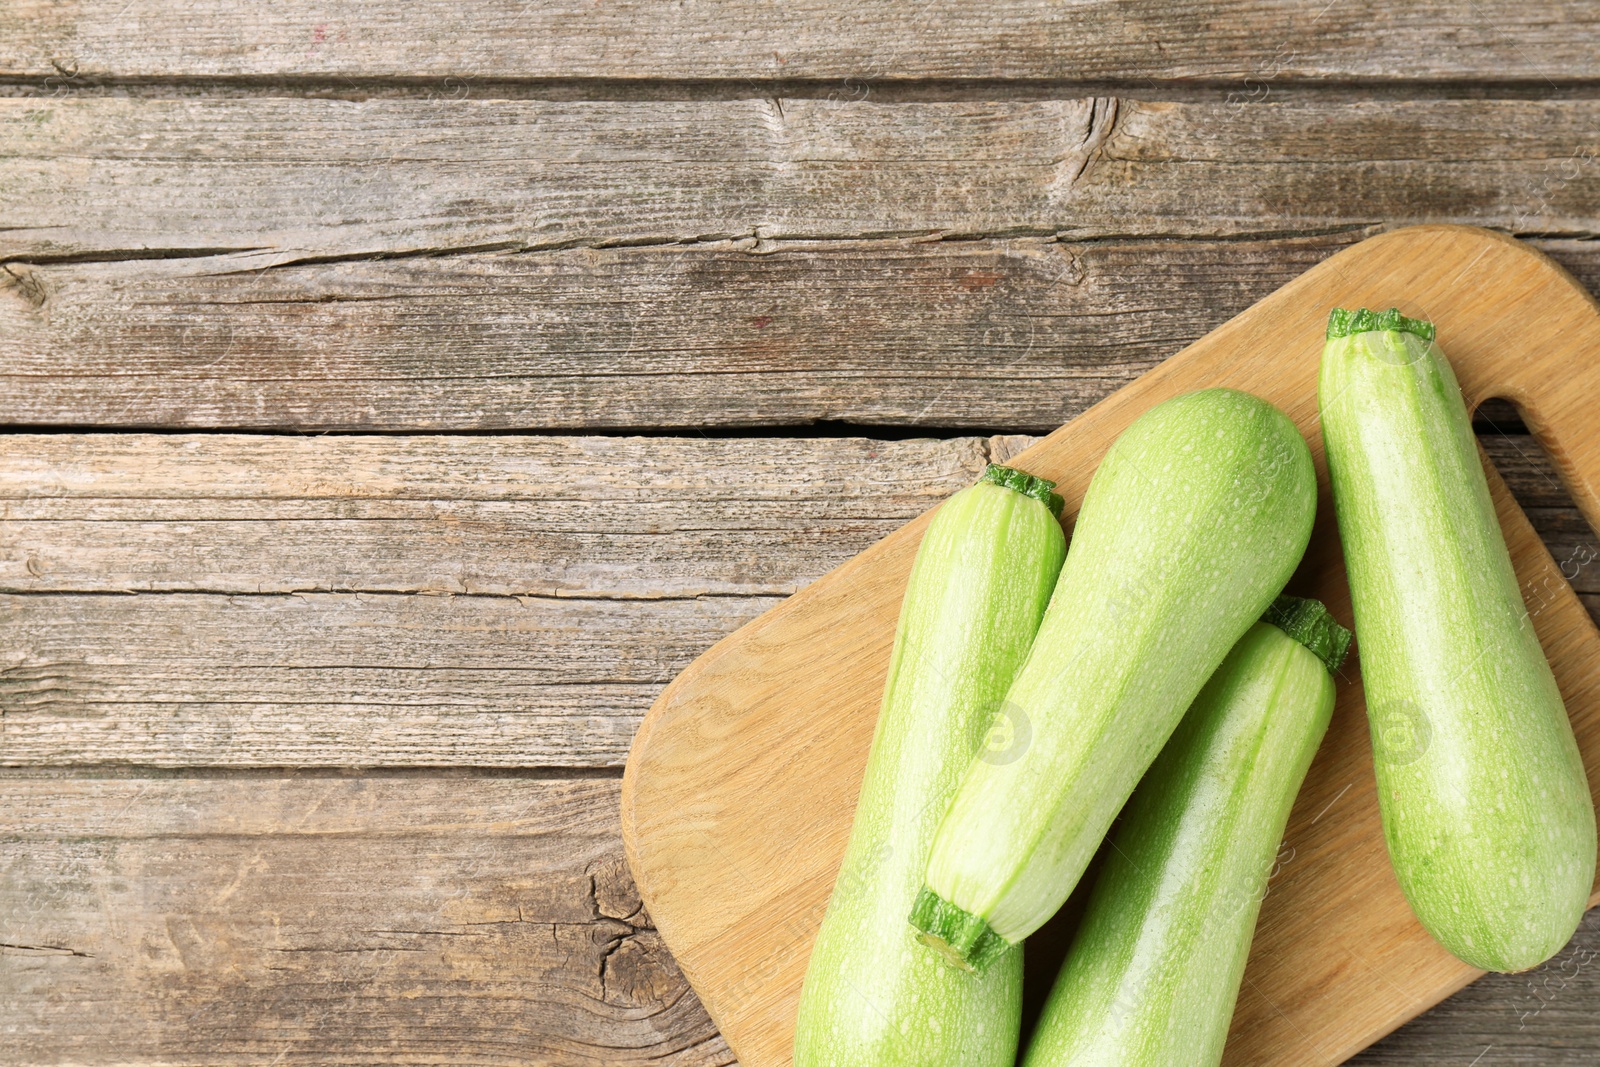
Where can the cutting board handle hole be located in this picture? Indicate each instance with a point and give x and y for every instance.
(1537, 484)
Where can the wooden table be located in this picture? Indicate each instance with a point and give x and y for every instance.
(399, 395)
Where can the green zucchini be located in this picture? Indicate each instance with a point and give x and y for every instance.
(1154, 971)
(1192, 524)
(1485, 805)
(872, 993)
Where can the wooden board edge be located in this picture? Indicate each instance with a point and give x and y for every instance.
(1173, 364)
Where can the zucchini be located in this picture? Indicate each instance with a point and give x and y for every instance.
(1154, 971)
(1192, 524)
(872, 993)
(1485, 805)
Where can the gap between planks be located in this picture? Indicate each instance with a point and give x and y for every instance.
(63, 85)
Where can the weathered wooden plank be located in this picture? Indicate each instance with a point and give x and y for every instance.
(509, 515)
(437, 919)
(350, 679)
(282, 920)
(1017, 335)
(295, 177)
(1020, 334)
(588, 561)
(1257, 39)
(503, 515)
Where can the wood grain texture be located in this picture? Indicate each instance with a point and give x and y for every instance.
(280, 614)
(277, 620)
(258, 917)
(434, 920)
(1017, 334)
(1338, 959)
(285, 920)
(325, 512)
(812, 39)
(353, 679)
(581, 518)
(290, 178)
(1014, 334)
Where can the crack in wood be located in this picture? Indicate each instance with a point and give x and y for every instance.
(1488, 85)
(46, 950)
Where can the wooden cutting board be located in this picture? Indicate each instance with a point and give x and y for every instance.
(739, 791)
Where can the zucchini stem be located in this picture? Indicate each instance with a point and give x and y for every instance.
(964, 939)
(1342, 323)
(1311, 624)
(1026, 484)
